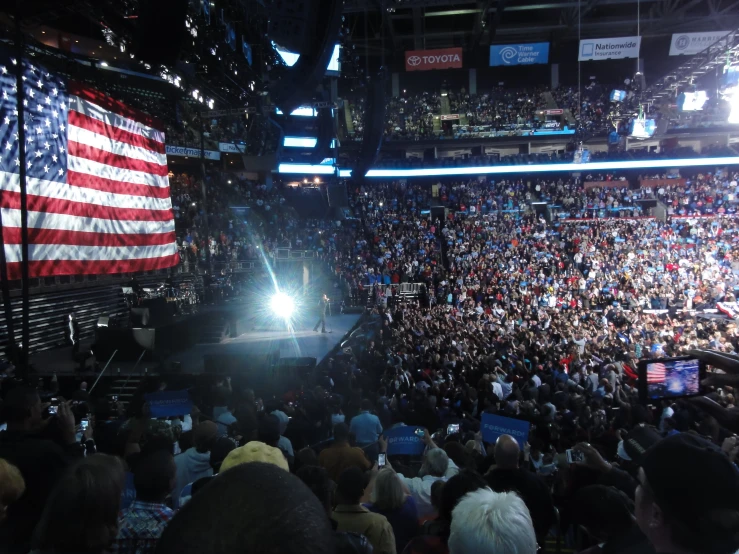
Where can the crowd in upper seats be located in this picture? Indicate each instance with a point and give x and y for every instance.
(542, 323)
(412, 116)
(389, 159)
(510, 112)
(235, 219)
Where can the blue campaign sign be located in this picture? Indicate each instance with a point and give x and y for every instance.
(403, 440)
(169, 403)
(494, 426)
(519, 54)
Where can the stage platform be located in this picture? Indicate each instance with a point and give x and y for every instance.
(256, 340)
(253, 344)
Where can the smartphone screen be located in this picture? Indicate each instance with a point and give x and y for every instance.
(670, 377)
(53, 409)
(574, 456)
(452, 428)
(381, 461)
(84, 423)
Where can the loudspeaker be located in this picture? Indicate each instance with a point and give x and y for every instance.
(312, 29)
(337, 195)
(140, 317)
(161, 30)
(374, 121)
(326, 134)
(145, 338)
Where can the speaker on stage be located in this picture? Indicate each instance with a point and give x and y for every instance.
(144, 337)
(140, 317)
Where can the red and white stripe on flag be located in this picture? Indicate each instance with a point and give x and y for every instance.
(112, 213)
(656, 373)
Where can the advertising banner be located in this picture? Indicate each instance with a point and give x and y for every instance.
(423, 60)
(403, 440)
(169, 403)
(688, 44)
(609, 48)
(519, 54)
(494, 426)
(231, 148)
(194, 152)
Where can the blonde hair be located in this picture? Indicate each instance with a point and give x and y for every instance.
(388, 492)
(12, 485)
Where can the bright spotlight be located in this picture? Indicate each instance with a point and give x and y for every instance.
(282, 305)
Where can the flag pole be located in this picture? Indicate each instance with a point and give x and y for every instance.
(20, 96)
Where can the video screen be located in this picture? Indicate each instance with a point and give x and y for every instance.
(618, 95)
(692, 101)
(671, 378)
(642, 128)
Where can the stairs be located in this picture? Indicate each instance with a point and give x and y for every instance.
(124, 389)
(445, 108)
(569, 118)
(549, 99)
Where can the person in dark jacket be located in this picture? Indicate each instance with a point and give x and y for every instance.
(507, 476)
(607, 515)
(318, 481)
(81, 515)
(41, 461)
(250, 507)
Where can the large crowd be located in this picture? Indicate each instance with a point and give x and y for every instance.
(518, 317)
(226, 217)
(506, 111)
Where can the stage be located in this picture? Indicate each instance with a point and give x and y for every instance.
(256, 338)
(256, 344)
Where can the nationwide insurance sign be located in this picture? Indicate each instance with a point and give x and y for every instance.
(519, 54)
(423, 60)
(609, 48)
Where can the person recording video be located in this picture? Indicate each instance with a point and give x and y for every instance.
(322, 306)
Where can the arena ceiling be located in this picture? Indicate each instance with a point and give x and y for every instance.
(422, 24)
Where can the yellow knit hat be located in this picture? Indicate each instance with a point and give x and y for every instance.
(255, 451)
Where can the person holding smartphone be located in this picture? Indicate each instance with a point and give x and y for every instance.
(436, 467)
(41, 461)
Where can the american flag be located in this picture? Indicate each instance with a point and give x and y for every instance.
(656, 373)
(98, 191)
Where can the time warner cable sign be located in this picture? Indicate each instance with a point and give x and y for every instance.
(519, 54)
(609, 48)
